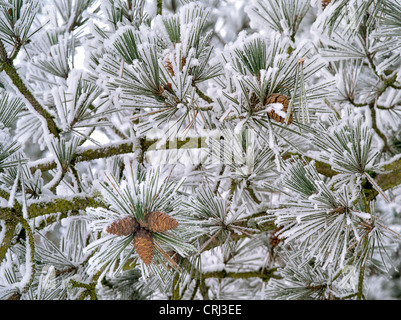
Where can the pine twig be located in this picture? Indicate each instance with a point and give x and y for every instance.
(10, 226)
(89, 289)
(31, 244)
(8, 67)
(265, 275)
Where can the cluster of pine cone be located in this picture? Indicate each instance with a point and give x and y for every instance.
(273, 98)
(155, 221)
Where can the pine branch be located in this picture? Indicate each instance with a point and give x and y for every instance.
(64, 205)
(383, 137)
(11, 224)
(323, 221)
(90, 154)
(89, 289)
(386, 180)
(361, 278)
(11, 218)
(390, 177)
(3, 53)
(8, 67)
(265, 274)
(31, 245)
(122, 148)
(321, 167)
(203, 96)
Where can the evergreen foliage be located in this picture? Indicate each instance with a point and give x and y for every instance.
(200, 149)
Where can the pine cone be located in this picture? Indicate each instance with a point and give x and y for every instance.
(14, 296)
(325, 3)
(123, 227)
(143, 244)
(158, 221)
(169, 65)
(278, 98)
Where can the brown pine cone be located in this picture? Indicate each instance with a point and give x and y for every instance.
(14, 296)
(169, 65)
(158, 221)
(143, 244)
(325, 3)
(278, 98)
(124, 226)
